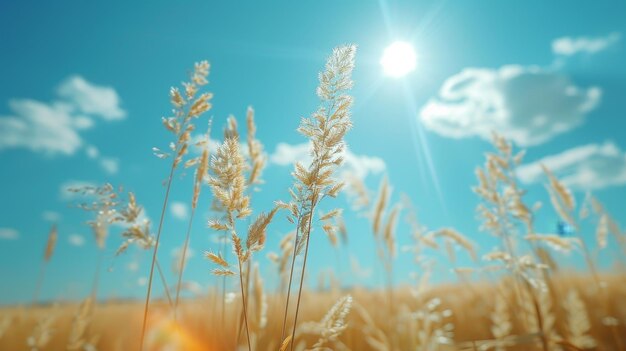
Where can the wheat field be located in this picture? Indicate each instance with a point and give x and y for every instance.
(517, 297)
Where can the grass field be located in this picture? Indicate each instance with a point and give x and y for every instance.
(522, 301)
(117, 324)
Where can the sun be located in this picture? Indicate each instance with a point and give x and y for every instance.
(399, 59)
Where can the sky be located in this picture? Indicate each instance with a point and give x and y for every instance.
(85, 84)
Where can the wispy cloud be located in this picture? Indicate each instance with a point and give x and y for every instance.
(133, 266)
(528, 105)
(358, 165)
(568, 46)
(288, 154)
(587, 167)
(91, 99)
(54, 128)
(9, 234)
(109, 164)
(76, 240)
(179, 210)
(40, 127)
(51, 216)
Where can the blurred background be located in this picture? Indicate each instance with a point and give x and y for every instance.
(85, 84)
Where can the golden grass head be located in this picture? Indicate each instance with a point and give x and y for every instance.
(51, 243)
(187, 106)
(379, 209)
(327, 127)
(255, 150)
(228, 181)
(139, 234)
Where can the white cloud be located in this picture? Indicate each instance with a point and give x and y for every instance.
(64, 192)
(528, 105)
(51, 216)
(83, 122)
(40, 127)
(179, 210)
(587, 167)
(358, 165)
(92, 99)
(567, 46)
(110, 165)
(92, 152)
(76, 240)
(8, 234)
(142, 281)
(54, 128)
(362, 165)
(288, 154)
(133, 266)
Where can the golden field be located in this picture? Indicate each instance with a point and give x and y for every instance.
(523, 300)
(117, 323)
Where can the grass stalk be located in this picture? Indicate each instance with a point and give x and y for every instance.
(182, 264)
(223, 299)
(96, 279)
(243, 301)
(306, 253)
(247, 288)
(154, 256)
(165, 286)
(293, 262)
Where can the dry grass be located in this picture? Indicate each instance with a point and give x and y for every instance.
(532, 305)
(201, 328)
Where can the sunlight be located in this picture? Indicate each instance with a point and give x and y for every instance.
(399, 59)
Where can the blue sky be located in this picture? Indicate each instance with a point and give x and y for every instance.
(84, 86)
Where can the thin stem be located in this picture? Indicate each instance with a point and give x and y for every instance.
(248, 270)
(167, 289)
(154, 255)
(182, 264)
(314, 200)
(245, 309)
(96, 279)
(390, 284)
(389, 271)
(293, 262)
(223, 249)
(306, 252)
